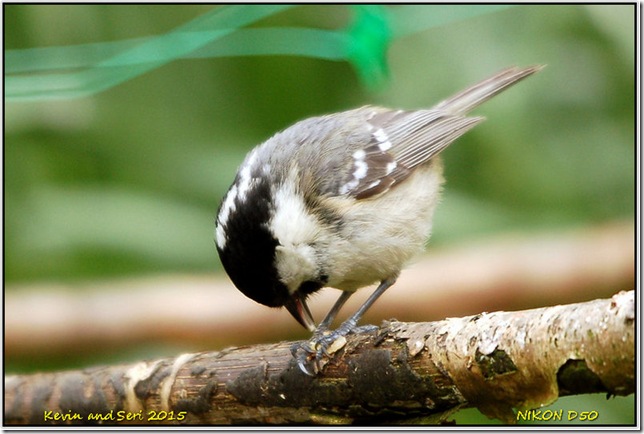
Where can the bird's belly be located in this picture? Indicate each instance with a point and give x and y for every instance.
(385, 232)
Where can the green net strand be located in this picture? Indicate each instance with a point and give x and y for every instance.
(84, 70)
(112, 67)
(369, 36)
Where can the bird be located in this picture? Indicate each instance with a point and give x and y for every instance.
(342, 200)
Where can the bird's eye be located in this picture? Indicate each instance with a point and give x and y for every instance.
(309, 286)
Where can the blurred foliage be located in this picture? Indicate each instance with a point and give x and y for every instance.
(128, 181)
(608, 411)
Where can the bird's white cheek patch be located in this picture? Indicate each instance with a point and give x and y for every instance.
(295, 264)
(292, 224)
(295, 229)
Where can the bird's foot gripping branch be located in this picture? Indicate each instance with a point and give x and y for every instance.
(400, 373)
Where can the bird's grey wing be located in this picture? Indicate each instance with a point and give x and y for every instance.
(397, 141)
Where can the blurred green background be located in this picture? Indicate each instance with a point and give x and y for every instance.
(127, 182)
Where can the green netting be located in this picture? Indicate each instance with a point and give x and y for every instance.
(83, 70)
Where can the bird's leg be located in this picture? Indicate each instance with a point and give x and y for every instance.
(311, 346)
(323, 339)
(350, 324)
(328, 319)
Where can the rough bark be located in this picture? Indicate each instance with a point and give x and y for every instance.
(400, 373)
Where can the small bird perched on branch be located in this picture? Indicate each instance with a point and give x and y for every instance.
(342, 200)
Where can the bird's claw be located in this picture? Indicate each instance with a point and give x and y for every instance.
(303, 364)
(314, 354)
(306, 357)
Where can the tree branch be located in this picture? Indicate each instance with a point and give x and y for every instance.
(401, 372)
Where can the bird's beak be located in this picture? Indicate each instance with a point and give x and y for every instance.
(296, 305)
